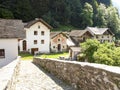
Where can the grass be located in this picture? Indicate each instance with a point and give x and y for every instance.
(27, 56)
(54, 55)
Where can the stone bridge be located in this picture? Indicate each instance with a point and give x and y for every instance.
(51, 74)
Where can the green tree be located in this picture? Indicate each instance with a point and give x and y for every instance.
(4, 13)
(87, 15)
(104, 54)
(23, 10)
(95, 6)
(113, 20)
(88, 49)
(101, 16)
(76, 9)
(116, 56)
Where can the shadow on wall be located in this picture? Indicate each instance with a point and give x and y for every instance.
(81, 75)
(63, 85)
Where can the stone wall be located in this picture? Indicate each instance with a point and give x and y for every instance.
(83, 76)
(8, 75)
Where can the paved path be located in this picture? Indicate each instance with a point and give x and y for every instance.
(33, 78)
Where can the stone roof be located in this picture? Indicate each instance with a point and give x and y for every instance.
(98, 31)
(10, 28)
(53, 34)
(29, 24)
(75, 40)
(75, 49)
(77, 32)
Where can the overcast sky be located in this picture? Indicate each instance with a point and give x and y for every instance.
(116, 3)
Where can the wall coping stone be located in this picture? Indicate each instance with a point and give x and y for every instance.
(83, 75)
(6, 73)
(113, 69)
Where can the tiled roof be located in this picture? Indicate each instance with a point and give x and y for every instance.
(10, 28)
(37, 20)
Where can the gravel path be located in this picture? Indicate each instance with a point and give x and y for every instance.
(33, 78)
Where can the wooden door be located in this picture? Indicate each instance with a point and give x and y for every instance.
(24, 45)
(33, 50)
(59, 47)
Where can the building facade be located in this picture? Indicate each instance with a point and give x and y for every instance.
(10, 32)
(58, 42)
(37, 37)
(101, 34)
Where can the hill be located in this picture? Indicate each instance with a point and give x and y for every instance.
(58, 13)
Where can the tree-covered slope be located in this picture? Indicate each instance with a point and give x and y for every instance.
(76, 13)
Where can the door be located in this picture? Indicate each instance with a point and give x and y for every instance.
(59, 47)
(24, 45)
(33, 50)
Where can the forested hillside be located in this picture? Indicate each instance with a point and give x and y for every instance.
(76, 13)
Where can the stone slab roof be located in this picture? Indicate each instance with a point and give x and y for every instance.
(29, 24)
(98, 31)
(10, 28)
(75, 49)
(77, 32)
(53, 34)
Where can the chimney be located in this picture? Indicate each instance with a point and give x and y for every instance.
(36, 18)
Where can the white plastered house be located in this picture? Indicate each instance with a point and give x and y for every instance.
(37, 37)
(10, 32)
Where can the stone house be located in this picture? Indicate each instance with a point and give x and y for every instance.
(101, 34)
(58, 42)
(77, 37)
(73, 52)
(10, 32)
(37, 37)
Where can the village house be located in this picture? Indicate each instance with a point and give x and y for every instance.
(80, 36)
(77, 37)
(58, 42)
(101, 34)
(10, 32)
(37, 37)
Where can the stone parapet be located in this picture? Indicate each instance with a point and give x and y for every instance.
(8, 75)
(82, 75)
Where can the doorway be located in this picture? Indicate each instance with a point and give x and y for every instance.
(33, 50)
(24, 45)
(59, 47)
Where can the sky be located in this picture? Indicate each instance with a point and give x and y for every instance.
(116, 3)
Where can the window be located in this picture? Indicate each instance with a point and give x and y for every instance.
(63, 47)
(108, 36)
(58, 39)
(42, 42)
(96, 36)
(42, 32)
(35, 33)
(53, 46)
(2, 53)
(35, 41)
(102, 36)
(39, 26)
